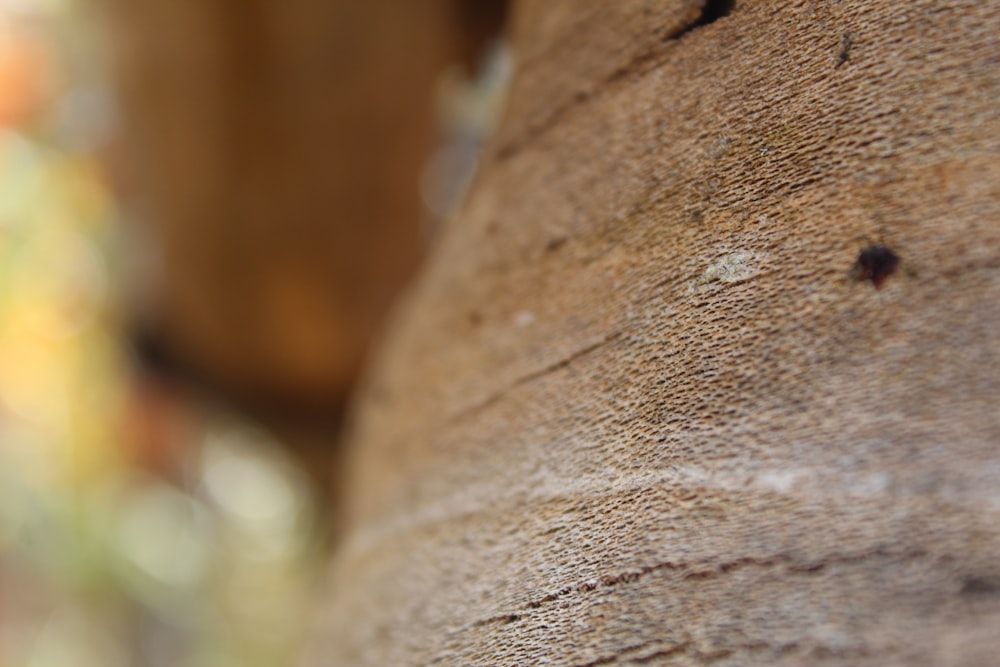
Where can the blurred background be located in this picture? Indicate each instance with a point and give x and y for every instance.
(206, 210)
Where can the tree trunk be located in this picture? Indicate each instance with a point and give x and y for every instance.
(705, 371)
(275, 151)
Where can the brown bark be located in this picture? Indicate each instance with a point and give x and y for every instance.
(645, 405)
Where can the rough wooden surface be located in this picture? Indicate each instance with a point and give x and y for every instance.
(638, 412)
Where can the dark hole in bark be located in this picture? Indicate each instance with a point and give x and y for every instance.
(714, 10)
(846, 42)
(711, 11)
(875, 263)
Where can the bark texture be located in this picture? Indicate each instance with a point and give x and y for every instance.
(638, 409)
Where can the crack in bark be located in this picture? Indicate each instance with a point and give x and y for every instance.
(661, 653)
(638, 65)
(796, 567)
(792, 566)
(703, 655)
(534, 375)
(503, 619)
(624, 654)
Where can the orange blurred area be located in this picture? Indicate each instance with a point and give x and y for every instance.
(25, 74)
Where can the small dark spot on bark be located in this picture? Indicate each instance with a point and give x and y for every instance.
(846, 42)
(875, 263)
(809, 569)
(980, 586)
(510, 618)
(555, 244)
(475, 318)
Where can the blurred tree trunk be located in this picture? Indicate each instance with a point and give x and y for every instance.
(660, 396)
(274, 151)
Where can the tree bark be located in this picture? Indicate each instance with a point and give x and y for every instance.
(662, 396)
